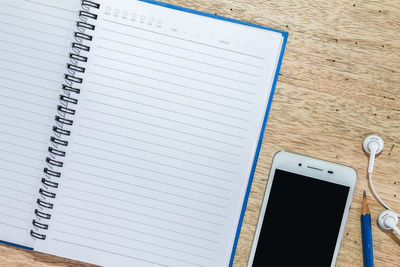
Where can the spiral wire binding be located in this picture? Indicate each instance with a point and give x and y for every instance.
(63, 119)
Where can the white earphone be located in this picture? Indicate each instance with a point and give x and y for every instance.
(388, 219)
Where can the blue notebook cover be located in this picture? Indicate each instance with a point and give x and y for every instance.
(285, 36)
(15, 245)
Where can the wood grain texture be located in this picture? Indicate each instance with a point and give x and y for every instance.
(339, 81)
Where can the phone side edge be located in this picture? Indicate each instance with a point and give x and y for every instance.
(345, 217)
(263, 207)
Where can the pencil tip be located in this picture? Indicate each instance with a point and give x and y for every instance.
(364, 207)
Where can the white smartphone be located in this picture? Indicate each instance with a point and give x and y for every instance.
(304, 212)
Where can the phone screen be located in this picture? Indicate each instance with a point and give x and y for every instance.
(302, 221)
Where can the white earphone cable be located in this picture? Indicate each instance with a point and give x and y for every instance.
(376, 194)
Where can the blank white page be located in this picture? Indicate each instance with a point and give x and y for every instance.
(165, 137)
(35, 38)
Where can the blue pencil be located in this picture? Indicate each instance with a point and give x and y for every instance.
(368, 248)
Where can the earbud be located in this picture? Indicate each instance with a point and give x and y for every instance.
(372, 145)
(388, 220)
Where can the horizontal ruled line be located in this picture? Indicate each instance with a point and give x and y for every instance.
(140, 204)
(29, 93)
(136, 231)
(50, 6)
(155, 153)
(33, 39)
(169, 110)
(30, 84)
(129, 210)
(21, 155)
(19, 163)
(164, 118)
(13, 207)
(28, 65)
(13, 226)
(147, 197)
(173, 94)
(33, 48)
(19, 191)
(108, 251)
(35, 11)
(24, 119)
(162, 136)
(182, 48)
(30, 75)
(180, 57)
(174, 74)
(133, 175)
(18, 172)
(17, 182)
(180, 94)
(30, 20)
(137, 222)
(125, 53)
(161, 200)
(141, 168)
(157, 163)
(145, 179)
(162, 127)
(27, 102)
(187, 40)
(31, 57)
(36, 30)
(24, 110)
(11, 216)
(16, 199)
(169, 82)
(135, 240)
(23, 128)
(153, 143)
(23, 137)
(18, 145)
(159, 108)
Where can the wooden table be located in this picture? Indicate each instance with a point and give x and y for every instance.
(340, 80)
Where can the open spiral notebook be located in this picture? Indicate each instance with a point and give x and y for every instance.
(130, 129)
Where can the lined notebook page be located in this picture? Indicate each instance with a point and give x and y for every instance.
(34, 40)
(164, 140)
